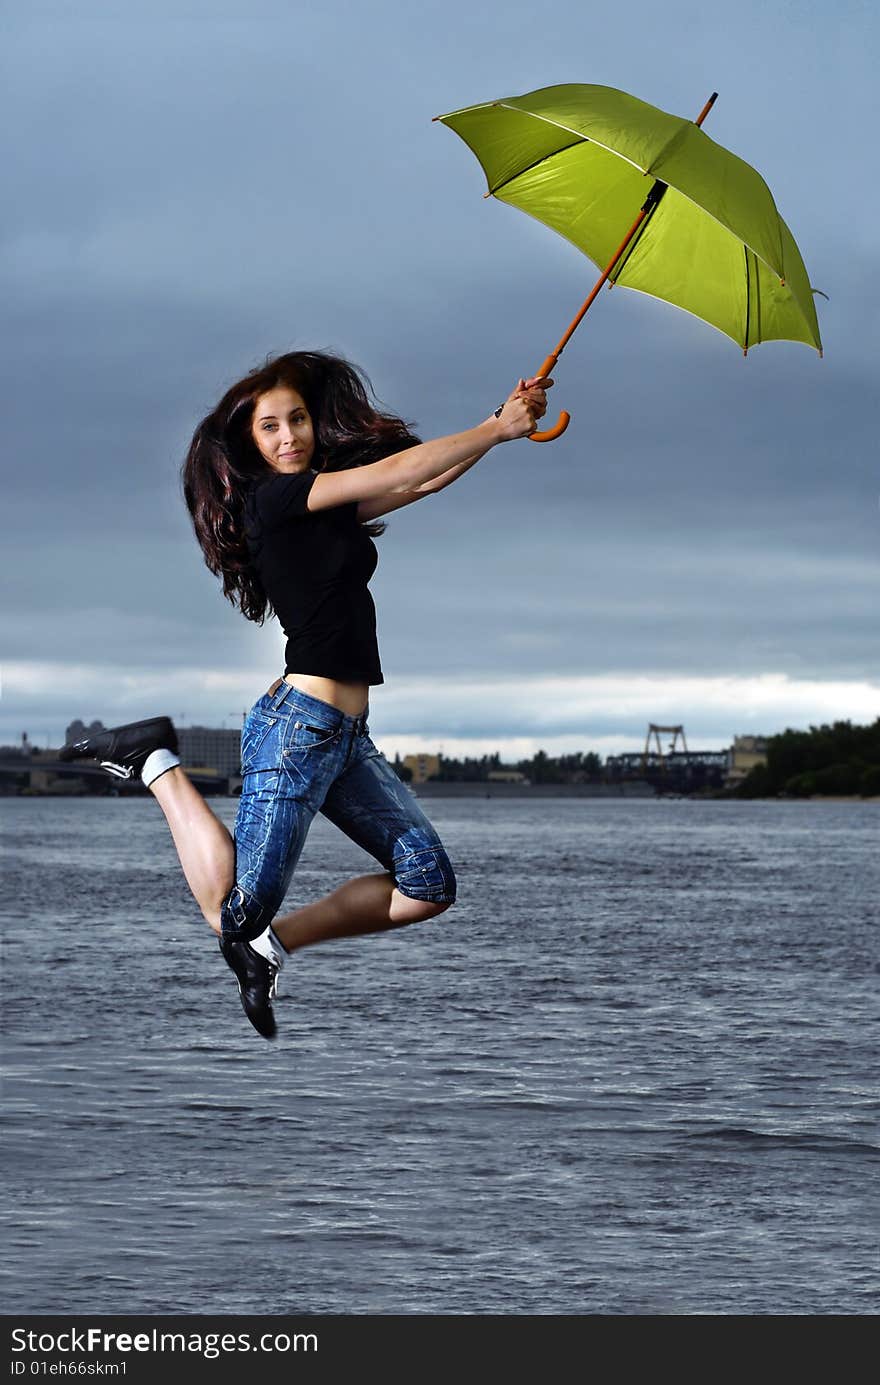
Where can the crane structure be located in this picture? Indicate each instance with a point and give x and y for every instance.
(655, 730)
(672, 770)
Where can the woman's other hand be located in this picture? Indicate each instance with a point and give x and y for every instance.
(526, 403)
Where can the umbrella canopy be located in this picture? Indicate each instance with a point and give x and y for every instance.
(577, 157)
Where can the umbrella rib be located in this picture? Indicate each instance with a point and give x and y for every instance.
(581, 138)
(758, 300)
(545, 158)
(624, 259)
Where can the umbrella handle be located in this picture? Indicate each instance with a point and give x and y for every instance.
(564, 419)
(550, 433)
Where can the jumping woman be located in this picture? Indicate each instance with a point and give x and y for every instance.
(284, 482)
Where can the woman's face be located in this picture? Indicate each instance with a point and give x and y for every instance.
(282, 429)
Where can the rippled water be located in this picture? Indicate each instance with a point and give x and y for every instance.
(632, 1071)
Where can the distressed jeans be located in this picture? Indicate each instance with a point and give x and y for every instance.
(301, 756)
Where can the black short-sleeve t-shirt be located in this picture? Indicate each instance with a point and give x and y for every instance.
(314, 567)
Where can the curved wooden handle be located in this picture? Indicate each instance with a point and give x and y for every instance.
(550, 433)
(546, 368)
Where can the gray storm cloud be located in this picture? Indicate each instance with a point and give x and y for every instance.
(188, 194)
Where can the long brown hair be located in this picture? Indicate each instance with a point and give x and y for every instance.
(223, 460)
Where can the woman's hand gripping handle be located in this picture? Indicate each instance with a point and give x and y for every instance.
(564, 419)
(526, 403)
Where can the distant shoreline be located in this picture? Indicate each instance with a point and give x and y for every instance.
(637, 789)
(486, 789)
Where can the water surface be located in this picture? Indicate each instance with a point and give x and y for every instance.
(632, 1071)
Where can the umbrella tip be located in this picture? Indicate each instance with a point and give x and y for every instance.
(706, 109)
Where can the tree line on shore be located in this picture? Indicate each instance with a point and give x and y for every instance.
(836, 759)
(579, 768)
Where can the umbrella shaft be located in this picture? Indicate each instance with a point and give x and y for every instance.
(575, 323)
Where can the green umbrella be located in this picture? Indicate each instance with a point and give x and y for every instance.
(706, 237)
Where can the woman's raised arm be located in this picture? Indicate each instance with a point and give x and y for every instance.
(407, 471)
(535, 393)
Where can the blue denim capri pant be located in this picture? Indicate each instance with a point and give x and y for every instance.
(301, 756)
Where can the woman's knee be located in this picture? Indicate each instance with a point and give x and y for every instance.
(423, 872)
(212, 919)
(405, 909)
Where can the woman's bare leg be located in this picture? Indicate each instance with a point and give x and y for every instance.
(368, 904)
(204, 845)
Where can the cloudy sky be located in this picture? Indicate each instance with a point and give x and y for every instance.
(190, 186)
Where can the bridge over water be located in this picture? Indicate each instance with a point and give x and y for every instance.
(682, 771)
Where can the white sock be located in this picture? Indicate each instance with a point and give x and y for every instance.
(156, 763)
(269, 946)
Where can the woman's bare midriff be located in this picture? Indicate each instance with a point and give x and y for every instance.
(350, 698)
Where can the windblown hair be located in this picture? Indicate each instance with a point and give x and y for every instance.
(223, 460)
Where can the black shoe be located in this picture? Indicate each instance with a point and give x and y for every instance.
(123, 750)
(257, 979)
